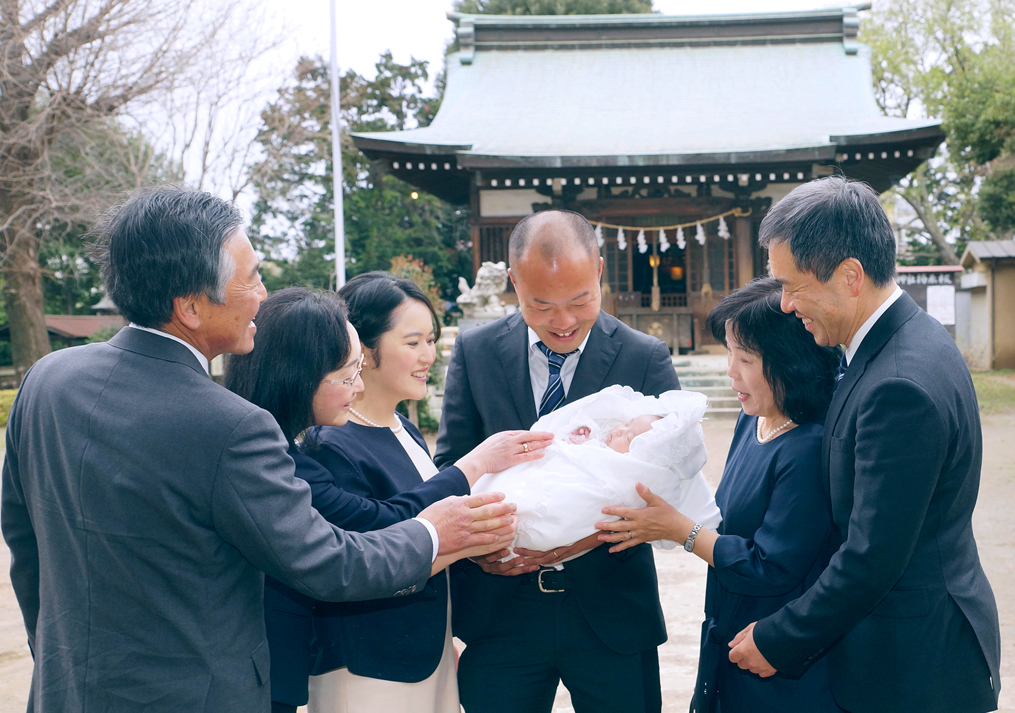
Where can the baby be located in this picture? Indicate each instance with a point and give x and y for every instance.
(605, 444)
(619, 439)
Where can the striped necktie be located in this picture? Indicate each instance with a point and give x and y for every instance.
(842, 370)
(554, 394)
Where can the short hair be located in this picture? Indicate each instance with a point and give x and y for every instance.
(800, 373)
(831, 219)
(372, 299)
(580, 235)
(302, 335)
(165, 243)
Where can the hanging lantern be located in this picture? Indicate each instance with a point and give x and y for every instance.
(599, 234)
(621, 240)
(642, 245)
(681, 243)
(724, 232)
(664, 244)
(699, 235)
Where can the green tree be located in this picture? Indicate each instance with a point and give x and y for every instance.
(553, 7)
(923, 53)
(980, 121)
(293, 222)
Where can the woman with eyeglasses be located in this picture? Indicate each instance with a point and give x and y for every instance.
(305, 369)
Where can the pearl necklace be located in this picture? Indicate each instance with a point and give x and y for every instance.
(368, 422)
(771, 435)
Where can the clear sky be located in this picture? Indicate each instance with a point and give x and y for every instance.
(420, 28)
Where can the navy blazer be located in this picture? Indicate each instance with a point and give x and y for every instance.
(361, 479)
(488, 391)
(904, 607)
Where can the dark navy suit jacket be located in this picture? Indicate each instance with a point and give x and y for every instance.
(361, 479)
(904, 607)
(489, 391)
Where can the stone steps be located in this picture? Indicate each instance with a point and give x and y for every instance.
(706, 373)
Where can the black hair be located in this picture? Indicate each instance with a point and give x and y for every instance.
(164, 243)
(302, 335)
(831, 219)
(372, 299)
(580, 234)
(800, 373)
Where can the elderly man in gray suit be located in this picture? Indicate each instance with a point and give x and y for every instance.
(141, 501)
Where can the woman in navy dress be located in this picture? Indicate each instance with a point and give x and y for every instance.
(305, 369)
(775, 536)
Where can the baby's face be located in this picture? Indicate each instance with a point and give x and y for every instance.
(620, 437)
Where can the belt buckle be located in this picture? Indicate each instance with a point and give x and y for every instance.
(539, 581)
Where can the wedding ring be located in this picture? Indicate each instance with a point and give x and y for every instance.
(555, 555)
(525, 447)
(630, 535)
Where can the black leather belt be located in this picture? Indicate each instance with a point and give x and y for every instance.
(550, 581)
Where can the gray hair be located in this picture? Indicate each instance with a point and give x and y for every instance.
(164, 243)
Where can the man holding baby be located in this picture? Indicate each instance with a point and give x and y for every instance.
(576, 614)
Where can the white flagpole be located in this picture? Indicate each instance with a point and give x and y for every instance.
(336, 157)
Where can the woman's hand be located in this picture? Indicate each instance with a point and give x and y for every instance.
(658, 520)
(501, 451)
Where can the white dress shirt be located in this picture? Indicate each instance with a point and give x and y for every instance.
(200, 357)
(539, 367)
(854, 343)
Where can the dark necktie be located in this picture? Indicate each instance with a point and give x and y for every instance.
(554, 394)
(842, 370)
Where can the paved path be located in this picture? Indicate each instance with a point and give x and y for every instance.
(682, 581)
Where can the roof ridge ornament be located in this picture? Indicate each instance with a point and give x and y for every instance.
(467, 40)
(850, 28)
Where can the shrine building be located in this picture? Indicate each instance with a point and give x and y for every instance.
(673, 135)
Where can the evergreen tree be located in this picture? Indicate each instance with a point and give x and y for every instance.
(293, 218)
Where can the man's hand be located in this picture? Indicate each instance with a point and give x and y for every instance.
(491, 564)
(471, 522)
(745, 654)
(558, 554)
(530, 560)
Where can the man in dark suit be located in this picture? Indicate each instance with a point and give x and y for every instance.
(594, 624)
(903, 609)
(141, 501)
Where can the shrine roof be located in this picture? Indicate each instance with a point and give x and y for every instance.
(654, 90)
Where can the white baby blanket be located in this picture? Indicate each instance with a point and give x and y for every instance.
(560, 497)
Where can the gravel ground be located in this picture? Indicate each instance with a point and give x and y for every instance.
(682, 580)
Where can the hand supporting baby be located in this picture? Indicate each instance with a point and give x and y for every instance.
(526, 561)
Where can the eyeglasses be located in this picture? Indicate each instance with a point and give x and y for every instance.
(351, 380)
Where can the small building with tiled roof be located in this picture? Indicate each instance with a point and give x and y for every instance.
(988, 341)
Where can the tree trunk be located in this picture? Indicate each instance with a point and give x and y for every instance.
(924, 211)
(23, 301)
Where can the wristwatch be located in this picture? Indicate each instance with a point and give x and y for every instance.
(689, 542)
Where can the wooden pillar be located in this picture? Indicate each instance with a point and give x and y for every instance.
(474, 218)
(743, 238)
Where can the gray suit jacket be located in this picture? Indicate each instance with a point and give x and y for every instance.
(141, 503)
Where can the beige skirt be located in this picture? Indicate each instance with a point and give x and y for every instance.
(340, 691)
